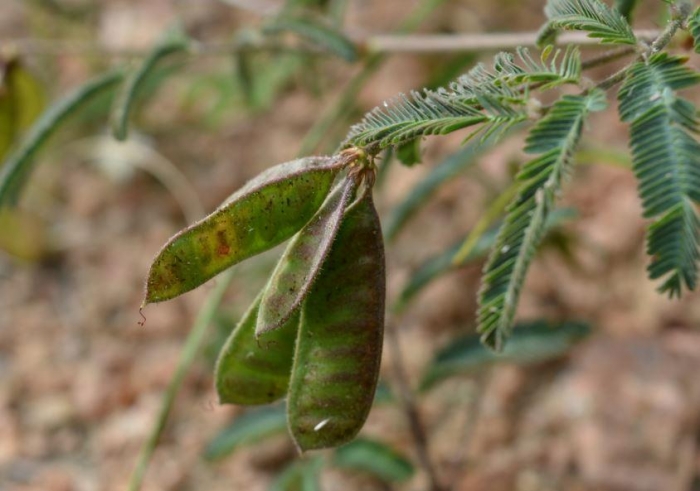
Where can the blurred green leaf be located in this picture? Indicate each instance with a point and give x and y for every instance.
(443, 263)
(493, 212)
(18, 166)
(383, 394)
(263, 76)
(250, 427)
(29, 94)
(297, 5)
(175, 41)
(245, 75)
(336, 10)
(409, 153)
(23, 234)
(626, 7)
(444, 69)
(443, 172)
(317, 33)
(7, 119)
(375, 458)
(531, 342)
(301, 475)
(22, 98)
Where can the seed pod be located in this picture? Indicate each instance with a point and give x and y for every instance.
(264, 213)
(301, 262)
(339, 344)
(249, 371)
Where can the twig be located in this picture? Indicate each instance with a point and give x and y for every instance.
(661, 40)
(446, 43)
(679, 12)
(190, 349)
(460, 459)
(371, 44)
(608, 56)
(409, 407)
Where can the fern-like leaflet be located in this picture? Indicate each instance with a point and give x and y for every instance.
(694, 28)
(554, 138)
(592, 16)
(666, 161)
(496, 98)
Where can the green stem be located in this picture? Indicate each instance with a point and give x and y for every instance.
(187, 356)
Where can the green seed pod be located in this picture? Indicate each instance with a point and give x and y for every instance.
(299, 266)
(264, 213)
(339, 344)
(249, 371)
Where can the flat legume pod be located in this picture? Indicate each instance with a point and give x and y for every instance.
(339, 344)
(264, 213)
(251, 372)
(301, 262)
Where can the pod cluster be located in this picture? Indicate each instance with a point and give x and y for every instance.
(314, 334)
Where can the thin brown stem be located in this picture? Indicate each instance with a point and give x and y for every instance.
(608, 57)
(445, 43)
(408, 404)
(372, 44)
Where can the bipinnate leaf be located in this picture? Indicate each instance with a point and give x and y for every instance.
(694, 28)
(339, 345)
(302, 261)
(251, 371)
(174, 42)
(531, 342)
(493, 98)
(666, 162)
(375, 458)
(554, 138)
(262, 214)
(250, 427)
(19, 165)
(592, 16)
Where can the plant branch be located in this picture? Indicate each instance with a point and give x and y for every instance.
(660, 42)
(189, 351)
(679, 12)
(372, 44)
(446, 43)
(607, 57)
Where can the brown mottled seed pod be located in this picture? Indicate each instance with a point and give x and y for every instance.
(339, 343)
(251, 372)
(301, 262)
(264, 213)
